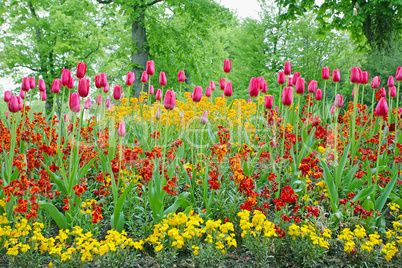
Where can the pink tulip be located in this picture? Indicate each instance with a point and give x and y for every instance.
(353, 93)
(287, 96)
(117, 92)
(151, 90)
(212, 85)
(222, 83)
(81, 70)
(56, 86)
(20, 103)
(26, 85)
(106, 88)
(253, 87)
(13, 104)
(338, 103)
(197, 94)
(6, 114)
(382, 108)
(74, 102)
(181, 76)
(325, 73)
(83, 89)
(71, 83)
(130, 78)
(288, 69)
(42, 95)
(99, 100)
(281, 78)
(249, 101)
(121, 131)
(144, 77)
(261, 81)
(290, 81)
(7, 96)
(264, 87)
(103, 80)
(65, 77)
(336, 75)
(391, 82)
(22, 94)
(383, 92)
(227, 66)
(294, 78)
(170, 100)
(208, 92)
(204, 118)
(41, 85)
(276, 109)
(333, 110)
(32, 82)
(107, 103)
(376, 82)
(87, 104)
(158, 95)
(312, 86)
(150, 68)
(364, 78)
(162, 79)
(269, 102)
(300, 85)
(228, 89)
(65, 117)
(392, 92)
(318, 94)
(398, 76)
(97, 81)
(355, 75)
(222, 96)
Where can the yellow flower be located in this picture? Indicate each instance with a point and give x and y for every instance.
(321, 149)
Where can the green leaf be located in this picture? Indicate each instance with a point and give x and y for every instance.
(59, 218)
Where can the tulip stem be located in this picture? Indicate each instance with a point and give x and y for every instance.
(279, 97)
(353, 119)
(362, 96)
(282, 152)
(397, 113)
(250, 123)
(323, 99)
(72, 145)
(61, 115)
(257, 119)
(165, 142)
(378, 157)
(297, 127)
(336, 138)
(372, 109)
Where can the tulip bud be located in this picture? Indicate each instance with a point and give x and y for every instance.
(222, 96)
(99, 100)
(290, 79)
(14, 104)
(65, 77)
(65, 117)
(158, 95)
(382, 108)
(261, 81)
(150, 68)
(222, 83)
(87, 104)
(158, 114)
(106, 88)
(392, 92)
(390, 81)
(253, 87)
(355, 75)
(83, 88)
(300, 85)
(269, 102)
(281, 78)
(32, 82)
(71, 83)
(170, 100)
(97, 81)
(107, 104)
(41, 85)
(227, 65)
(364, 78)
(228, 89)
(144, 77)
(56, 86)
(22, 94)
(42, 95)
(181, 76)
(287, 96)
(6, 114)
(383, 92)
(376, 82)
(204, 118)
(336, 75)
(162, 79)
(208, 92)
(318, 94)
(81, 70)
(151, 90)
(294, 78)
(338, 103)
(197, 94)
(212, 85)
(312, 86)
(398, 76)
(26, 85)
(325, 73)
(264, 87)
(74, 102)
(20, 103)
(130, 78)
(121, 131)
(333, 110)
(7, 96)
(103, 80)
(288, 68)
(117, 92)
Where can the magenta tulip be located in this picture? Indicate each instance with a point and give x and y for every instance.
(338, 103)
(130, 78)
(325, 73)
(227, 66)
(106, 88)
(318, 94)
(97, 81)
(212, 85)
(6, 114)
(117, 92)
(41, 85)
(208, 92)
(181, 76)
(253, 87)
(71, 83)
(290, 83)
(7, 96)
(391, 82)
(300, 85)
(162, 79)
(222, 83)
(151, 90)
(197, 94)
(158, 95)
(287, 96)
(364, 78)
(281, 78)
(288, 69)
(13, 104)
(83, 89)
(32, 83)
(294, 78)
(376, 82)
(392, 92)
(56, 86)
(150, 68)
(99, 100)
(87, 104)
(26, 85)
(81, 70)
(333, 110)
(312, 86)
(103, 80)
(228, 89)
(22, 94)
(107, 103)
(355, 75)
(382, 108)
(249, 101)
(264, 87)
(383, 92)
(336, 75)
(169, 102)
(42, 95)
(65, 77)
(398, 76)
(121, 131)
(20, 103)
(74, 102)
(269, 102)
(144, 77)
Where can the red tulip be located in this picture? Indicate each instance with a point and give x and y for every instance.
(204, 118)
(300, 85)
(150, 68)
(181, 76)
(13, 104)
(227, 65)
(391, 82)
(294, 78)
(71, 83)
(22, 94)
(253, 87)
(97, 81)
(269, 102)
(158, 95)
(26, 85)
(338, 103)
(74, 102)
(261, 81)
(208, 92)
(228, 89)
(290, 83)
(56, 86)
(130, 78)
(81, 69)
(7, 96)
(288, 69)
(392, 92)
(364, 78)
(117, 92)
(264, 87)
(121, 131)
(222, 83)
(105, 89)
(376, 82)
(318, 94)
(355, 75)
(281, 78)
(144, 77)
(65, 77)
(151, 90)
(83, 89)
(41, 85)
(162, 79)
(32, 82)
(287, 96)
(87, 104)
(103, 80)
(170, 100)
(212, 85)
(398, 76)
(42, 95)
(325, 73)
(336, 75)
(382, 108)
(197, 94)
(312, 86)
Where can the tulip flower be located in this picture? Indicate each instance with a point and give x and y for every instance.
(150, 68)
(287, 96)
(312, 86)
(264, 87)
(253, 87)
(117, 92)
(364, 78)
(300, 85)
(355, 75)
(197, 94)
(106, 88)
(26, 85)
(121, 131)
(288, 69)
(269, 102)
(204, 118)
(391, 82)
(42, 95)
(181, 76)
(22, 94)
(158, 95)
(41, 85)
(83, 89)
(383, 92)
(222, 83)
(227, 66)
(65, 77)
(376, 82)
(99, 100)
(74, 102)
(222, 96)
(102, 80)
(144, 77)
(228, 89)
(130, 78)
(158, 114)
(281, 78)
(81, 70)
(208, 92)
(162, 79)
(398, 76)
(97, 81)
(249, 101)
(338, 103)
(7, 96)
(13, 104)
(65, 117)
(294, 78)
(333, 110)
(325, 73)
(212, 85)
(318, 94)
(87, 104)
(276, 109)
(290, 81)
(107, 103)
(151, 90)
(20, 103)
(6, 114)
(169, 101)
(32, 82)
(71, 83)
(382, 108)
(392, 92)
(261, 81)
(336, 75)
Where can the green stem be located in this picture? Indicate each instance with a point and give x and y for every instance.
(61, 115)
(323, 99)
(362, 96)
(297, 127)
(397, 112)
(378, 157)
(353, 119)
(72, 145)
(165, 143)
(282, 152)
